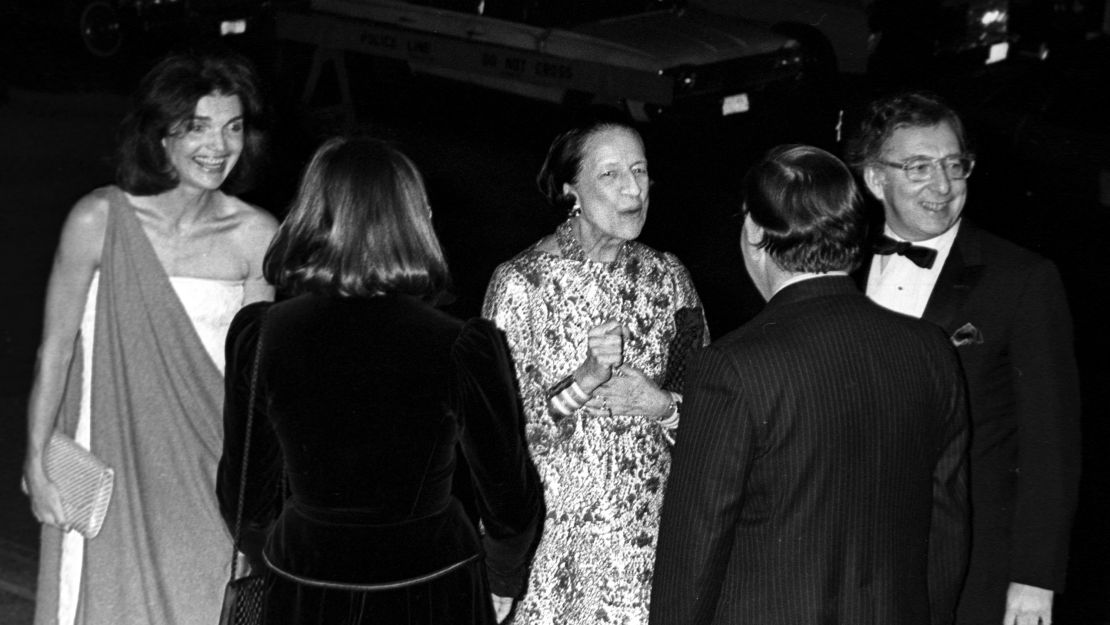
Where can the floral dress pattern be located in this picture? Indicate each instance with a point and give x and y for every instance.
(603, 476)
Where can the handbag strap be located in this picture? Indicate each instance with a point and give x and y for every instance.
(247, 446)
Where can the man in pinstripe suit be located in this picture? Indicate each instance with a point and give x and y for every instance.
(819, 473)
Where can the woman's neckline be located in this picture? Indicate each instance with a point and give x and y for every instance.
(227, 281)
(572, 250)
(213, 280)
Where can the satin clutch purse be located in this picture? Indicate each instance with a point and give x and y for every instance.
(83, 480)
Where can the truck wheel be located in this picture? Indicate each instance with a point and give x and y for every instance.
(821, 109)
(820, 57)
(100, 27)
(638, 110)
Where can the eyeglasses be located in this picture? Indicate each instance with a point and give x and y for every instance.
(922, 169)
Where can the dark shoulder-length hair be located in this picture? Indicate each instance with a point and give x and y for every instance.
(907, 109)
(809, 207)
(564, 156)
(166, 100)
(360, 226)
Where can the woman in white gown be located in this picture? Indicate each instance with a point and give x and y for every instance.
(149, 273)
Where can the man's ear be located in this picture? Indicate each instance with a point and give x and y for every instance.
(875, 181)
(752, 232)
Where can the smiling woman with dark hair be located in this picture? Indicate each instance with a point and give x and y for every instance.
(147, 276)
(365, 395)
(163, 106)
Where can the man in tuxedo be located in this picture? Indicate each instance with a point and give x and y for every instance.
(819, 469)
(1005, 309)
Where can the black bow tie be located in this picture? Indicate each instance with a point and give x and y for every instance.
(919, 255)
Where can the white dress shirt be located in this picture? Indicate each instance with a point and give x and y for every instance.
(895, 282)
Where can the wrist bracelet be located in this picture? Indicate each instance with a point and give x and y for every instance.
(671, 420)
(565, 397)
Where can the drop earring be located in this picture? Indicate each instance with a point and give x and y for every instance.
(575, 210)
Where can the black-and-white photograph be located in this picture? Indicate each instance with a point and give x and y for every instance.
(554, 312)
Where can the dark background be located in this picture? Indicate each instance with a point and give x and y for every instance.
(1040, 129)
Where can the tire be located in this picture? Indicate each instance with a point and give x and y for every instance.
(820, 57)
(100, 27)
(825, 97)
(638, 110)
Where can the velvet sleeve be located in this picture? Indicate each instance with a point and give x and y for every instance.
(262, 499)
(509, 494)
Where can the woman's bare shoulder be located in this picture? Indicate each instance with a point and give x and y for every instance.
(82, 236)
(88, 219)
(250, 221)
(92, 208)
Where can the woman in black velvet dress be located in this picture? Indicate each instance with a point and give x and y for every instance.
(365, 391)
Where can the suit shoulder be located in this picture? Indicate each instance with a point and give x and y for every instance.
(761, 335)
(873, 314)
(1000, 251)
(745, 334)
(929, 333)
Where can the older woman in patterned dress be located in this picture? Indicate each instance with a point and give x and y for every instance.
(592, 318)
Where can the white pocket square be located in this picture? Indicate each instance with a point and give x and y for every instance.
(967, 334)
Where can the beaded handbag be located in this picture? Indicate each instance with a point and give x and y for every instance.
(83, 481)
(688, 338)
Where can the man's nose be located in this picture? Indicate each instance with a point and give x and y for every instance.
(940, 180)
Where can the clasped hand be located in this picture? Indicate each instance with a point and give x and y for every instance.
(616, 387)
(631, 392)
(604, 353)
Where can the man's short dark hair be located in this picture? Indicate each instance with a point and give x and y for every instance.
(166, 99)
(360, 226)
(908, 109)
(809, 207)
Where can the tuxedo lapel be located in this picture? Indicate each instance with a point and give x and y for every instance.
(860, 275)
(960, 274)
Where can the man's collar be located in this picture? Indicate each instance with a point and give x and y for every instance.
(806, 276)
(939, 242)
(816, 285)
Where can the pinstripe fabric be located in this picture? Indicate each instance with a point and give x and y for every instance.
(819, 473)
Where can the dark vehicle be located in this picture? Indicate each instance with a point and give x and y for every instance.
(844, 34)
(649, 57)
(1051, 124)
(103, 27)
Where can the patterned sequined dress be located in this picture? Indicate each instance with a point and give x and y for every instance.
(603, 476)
